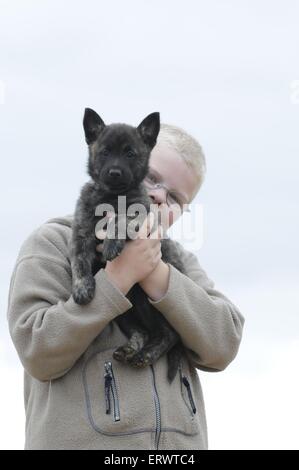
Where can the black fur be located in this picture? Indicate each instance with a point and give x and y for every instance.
(118, 162)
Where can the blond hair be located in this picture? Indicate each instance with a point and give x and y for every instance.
(187, 147)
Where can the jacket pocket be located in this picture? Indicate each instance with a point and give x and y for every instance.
(119, 398)
(179, 402)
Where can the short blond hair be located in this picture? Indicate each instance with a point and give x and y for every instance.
(187, 147)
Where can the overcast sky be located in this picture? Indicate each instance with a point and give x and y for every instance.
(225, 71)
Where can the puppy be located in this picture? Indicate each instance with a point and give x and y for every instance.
(117, 164)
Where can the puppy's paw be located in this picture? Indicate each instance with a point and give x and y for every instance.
(142, 359)
(112, 248)
(83, 290)
(124, 353)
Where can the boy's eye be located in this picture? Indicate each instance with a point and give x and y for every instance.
(151, 177)
(174, 199)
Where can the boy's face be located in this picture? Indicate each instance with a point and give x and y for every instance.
(171, 170)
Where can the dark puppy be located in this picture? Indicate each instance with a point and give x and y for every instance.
(118, 163)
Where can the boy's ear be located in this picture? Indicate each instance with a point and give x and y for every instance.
(93, 125)
(149, 129)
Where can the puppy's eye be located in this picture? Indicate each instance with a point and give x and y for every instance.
(130, 154)
(105, 152)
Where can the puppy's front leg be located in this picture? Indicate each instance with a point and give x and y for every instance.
(83, 255)
(115, 237)
(83, 285)
(121, 227)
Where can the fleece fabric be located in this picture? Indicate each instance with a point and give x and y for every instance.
(66, 350)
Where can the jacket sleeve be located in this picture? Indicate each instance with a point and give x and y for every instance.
(49, 330)
(209, 324)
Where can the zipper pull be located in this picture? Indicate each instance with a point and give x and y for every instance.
(188, 387)
(108, 380)
(110, 385)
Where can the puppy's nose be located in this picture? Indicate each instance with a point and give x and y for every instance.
(115, 173)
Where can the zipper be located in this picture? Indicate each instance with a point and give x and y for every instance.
(158, 411)
(188, 387)
(110, 386)
(186, 383)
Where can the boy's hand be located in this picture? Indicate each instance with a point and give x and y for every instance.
(138, 258)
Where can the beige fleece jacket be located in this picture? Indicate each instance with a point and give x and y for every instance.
(76, 395)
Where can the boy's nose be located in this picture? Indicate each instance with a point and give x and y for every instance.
(158, 195)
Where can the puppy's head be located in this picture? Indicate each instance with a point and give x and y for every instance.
(119, 153)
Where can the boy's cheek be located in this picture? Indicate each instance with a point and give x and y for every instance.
(169, 216)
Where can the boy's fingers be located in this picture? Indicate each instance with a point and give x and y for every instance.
(101, 234)
(99, 248)
(146, 226)
(157, 234)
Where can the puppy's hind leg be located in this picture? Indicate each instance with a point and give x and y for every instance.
(155, 348)
(127, 351)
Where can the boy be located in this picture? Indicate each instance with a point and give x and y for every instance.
(76, 395)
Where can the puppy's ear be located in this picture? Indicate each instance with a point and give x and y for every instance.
(149, 129)
(93, 125)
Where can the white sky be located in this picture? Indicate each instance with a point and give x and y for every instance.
(223, 70)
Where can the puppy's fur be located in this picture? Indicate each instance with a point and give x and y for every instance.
(118, 163)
